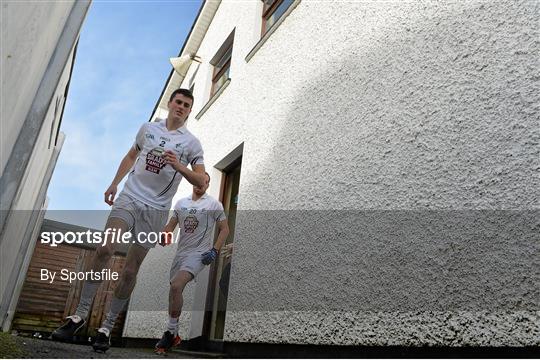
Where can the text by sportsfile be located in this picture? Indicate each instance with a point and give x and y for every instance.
(71, 276)
(114, 236)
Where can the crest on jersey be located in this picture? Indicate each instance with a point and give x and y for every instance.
(190, 224)
(154, 160)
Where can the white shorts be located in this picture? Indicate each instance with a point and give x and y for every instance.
(190, 262)
(140, 218)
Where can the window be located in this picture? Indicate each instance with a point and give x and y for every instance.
(222, 64)
(221, 71)
(272, 11)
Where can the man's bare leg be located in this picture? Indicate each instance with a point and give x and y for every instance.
(176, 299)
(170, 337)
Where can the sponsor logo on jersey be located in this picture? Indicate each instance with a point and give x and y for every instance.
(149, 136)
(154, 160)
(190, 224)
(164, 138)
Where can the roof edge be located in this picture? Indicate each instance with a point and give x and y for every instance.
(207, 6)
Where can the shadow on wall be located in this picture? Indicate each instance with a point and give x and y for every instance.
(424, 146)
(443, 114)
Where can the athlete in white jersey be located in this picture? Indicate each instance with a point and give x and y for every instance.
(156, 163)
(196, 216)
(151, 181)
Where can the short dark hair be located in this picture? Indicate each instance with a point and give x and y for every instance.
(184, 92)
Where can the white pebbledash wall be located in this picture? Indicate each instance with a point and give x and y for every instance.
(416, 110)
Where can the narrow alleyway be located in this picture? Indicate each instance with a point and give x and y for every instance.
(41, 348)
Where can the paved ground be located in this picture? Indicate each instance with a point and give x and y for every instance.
(39, 348)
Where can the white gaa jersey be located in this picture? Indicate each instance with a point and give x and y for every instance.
(151, 181)
(196, 220)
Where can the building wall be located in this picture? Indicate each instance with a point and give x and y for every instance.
(38, 50)
(389, 190)
(29, 38)
(29, 201)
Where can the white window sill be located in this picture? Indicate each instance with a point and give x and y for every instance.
(212, 99)
(261, 42)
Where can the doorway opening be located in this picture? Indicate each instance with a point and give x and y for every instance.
(216, 301)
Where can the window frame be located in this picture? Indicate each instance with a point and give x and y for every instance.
(216, 75)
(272, 29)
(268, 11)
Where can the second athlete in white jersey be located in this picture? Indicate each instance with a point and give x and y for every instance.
(196, 219)
(196, 215)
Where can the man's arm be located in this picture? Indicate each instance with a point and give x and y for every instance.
(209, 256)
(125, 165)
(166, 234)
(195, 177)
(223, 232)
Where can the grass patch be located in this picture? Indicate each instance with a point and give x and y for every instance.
(9, 349)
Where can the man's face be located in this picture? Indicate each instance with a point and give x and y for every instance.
(180, 107)
(201, 190)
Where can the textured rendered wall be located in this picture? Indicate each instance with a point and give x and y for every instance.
(29, 38)
(417, 125)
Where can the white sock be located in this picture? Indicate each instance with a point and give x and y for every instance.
(172, 326)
